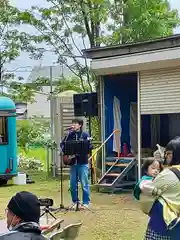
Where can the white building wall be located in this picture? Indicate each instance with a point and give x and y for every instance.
(41, 105)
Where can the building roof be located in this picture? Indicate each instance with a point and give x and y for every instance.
(44, 72)
(133, 48)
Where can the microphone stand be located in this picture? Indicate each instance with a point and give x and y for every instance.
(61, 206)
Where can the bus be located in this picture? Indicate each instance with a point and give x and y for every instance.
(8, 140)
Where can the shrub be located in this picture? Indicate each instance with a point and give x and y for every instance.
(26, 163)
(95, 126)
(32, 133)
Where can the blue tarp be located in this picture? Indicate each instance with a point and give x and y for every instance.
(124, 87)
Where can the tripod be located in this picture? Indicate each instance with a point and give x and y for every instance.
(47, 212)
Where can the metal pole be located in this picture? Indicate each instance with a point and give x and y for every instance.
(1, 66)
(139, 125)
(47, 159)
(102, 123)
(52, 122)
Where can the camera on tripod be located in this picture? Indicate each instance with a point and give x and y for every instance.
(46, 202)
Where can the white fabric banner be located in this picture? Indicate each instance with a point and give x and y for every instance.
(117, 125)
(155, 130)
(133, 128)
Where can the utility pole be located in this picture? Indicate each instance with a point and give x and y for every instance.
(1, 71)
(52, 120)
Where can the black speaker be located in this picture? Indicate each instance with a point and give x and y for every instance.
(86, 104)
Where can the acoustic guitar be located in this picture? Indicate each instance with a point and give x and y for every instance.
(68, 160)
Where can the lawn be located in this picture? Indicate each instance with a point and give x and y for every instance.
(113, 217)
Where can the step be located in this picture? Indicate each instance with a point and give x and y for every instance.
(65, 171)
(104, 185)
(112, 174)
(117, 164)
(126, 183)
(121, 159)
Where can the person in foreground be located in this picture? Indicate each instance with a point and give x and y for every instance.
(150, 169)
(23, 214)
(164, 213)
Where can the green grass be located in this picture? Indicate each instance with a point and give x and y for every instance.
(113, 217)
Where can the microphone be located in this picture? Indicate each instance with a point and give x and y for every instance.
(69, 129)
(89, 138)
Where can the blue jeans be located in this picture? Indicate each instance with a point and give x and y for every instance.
(82, 172)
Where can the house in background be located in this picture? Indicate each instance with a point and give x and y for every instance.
(41, 106)
(21, 110)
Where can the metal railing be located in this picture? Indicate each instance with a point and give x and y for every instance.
(117, 146)
(105, 141)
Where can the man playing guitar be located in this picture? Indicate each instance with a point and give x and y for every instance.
(78, 163)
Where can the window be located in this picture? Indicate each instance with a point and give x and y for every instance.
(3, 131)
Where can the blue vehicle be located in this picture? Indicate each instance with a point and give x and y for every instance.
(8, 140)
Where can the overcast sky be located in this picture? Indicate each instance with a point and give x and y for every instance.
(23, 60)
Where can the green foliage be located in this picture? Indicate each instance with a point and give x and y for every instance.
(95, 128)
(38, 153)
(96, 22)
(99, 21)
(31, 132)
(30, 163)
(154, 20)
(4, 3)
(71, 83)
(12, 42)
(66, 23)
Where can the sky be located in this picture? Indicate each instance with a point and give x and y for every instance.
(24, 60)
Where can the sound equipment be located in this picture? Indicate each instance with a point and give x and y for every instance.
(46, 202)
(86, 104)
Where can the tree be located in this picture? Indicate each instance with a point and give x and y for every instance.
(12, 42)
(154, 20)
(4, 3)
(71, 83)
(67, 26)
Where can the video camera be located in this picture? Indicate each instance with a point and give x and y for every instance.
(46, 202)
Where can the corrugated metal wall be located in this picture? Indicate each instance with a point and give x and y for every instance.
(160, 91)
